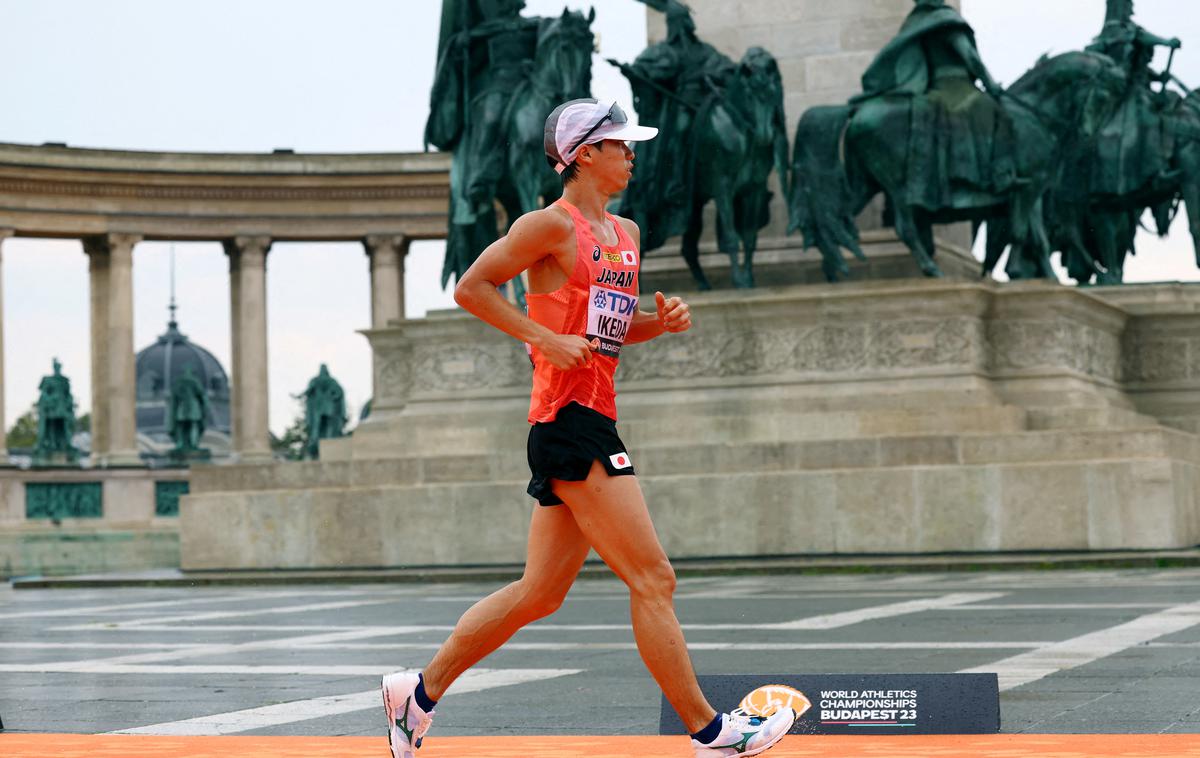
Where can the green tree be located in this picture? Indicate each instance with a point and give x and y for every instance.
(291, 445)
(23, 434)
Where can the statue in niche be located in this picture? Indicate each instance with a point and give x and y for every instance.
(324, 411)
(187, 415)
(723, 132)
(56, 420)
(499, 74)
(934, 132)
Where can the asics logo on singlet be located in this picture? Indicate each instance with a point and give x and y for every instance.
(616, 278)
(596, 253)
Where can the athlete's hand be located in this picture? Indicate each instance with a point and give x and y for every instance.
(673, 313)
(568, 351)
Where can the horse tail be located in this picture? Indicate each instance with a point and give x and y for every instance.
(818, 203)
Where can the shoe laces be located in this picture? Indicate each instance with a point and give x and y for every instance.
(744, 722)
(423, 726)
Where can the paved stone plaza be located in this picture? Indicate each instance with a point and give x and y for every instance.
(1077, 651)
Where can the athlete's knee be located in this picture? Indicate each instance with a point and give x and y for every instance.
(656, 579)
(538, 600)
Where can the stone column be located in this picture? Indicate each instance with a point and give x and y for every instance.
(114, 423)
(248, 320)
(386, 252)
(4, 234)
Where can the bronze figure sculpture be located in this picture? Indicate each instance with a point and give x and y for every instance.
(723, 132)
(1144, 157)
(56, 420)
(498, 75)
(941, 149)
(187, 415)
(324, 411)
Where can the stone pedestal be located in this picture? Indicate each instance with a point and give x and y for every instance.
(782, 261)
(248, 389)
(114, 430)
(904, 416)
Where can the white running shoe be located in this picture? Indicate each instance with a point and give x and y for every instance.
(407, 723)
(746, 735)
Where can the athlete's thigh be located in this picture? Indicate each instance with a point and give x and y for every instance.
(557, 548)
(611, 513)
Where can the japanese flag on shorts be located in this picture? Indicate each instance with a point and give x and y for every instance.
(620, 460)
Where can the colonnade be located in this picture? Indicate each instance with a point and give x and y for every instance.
(110, 270)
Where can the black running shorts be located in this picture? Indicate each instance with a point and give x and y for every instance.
(565, 448)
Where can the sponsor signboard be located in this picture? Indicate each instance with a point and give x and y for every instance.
(858, 703)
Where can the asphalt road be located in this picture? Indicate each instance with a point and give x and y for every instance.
(1076, 651)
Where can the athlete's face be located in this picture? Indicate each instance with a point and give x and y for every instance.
(612, 166)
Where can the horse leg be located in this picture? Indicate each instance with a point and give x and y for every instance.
(925, 231)
(690, 247)
(910, 233)
(999, 234)
(727, 238)
(1108, 248)
(750, 210)
(1023, 251)
(1191, 201)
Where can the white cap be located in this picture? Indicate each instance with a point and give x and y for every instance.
(585, 122)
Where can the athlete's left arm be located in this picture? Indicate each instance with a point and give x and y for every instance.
(671, 313)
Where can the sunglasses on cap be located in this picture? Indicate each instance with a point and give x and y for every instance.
(615, 115)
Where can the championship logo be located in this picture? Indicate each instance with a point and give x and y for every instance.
(766, 700)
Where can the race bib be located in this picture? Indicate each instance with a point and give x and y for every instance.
(609, 314)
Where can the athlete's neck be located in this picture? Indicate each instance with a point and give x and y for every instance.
(590, 201)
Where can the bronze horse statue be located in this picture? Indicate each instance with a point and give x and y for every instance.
(735, 135)
(1095, 231)
(741, 138)
(845, 155)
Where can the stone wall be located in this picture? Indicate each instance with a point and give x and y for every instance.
(121, 530)
(881, 417)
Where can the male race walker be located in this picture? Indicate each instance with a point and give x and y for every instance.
(583, 265)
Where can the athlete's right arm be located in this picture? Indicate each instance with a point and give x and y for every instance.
(529, 240)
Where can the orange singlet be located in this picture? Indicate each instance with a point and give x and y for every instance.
(598, 300)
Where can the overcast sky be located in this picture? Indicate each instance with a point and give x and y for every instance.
(351, 76)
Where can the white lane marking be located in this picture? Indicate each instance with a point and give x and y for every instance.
(142, 664)
(1056, 606)
(285, 713)
(99, 667)
(235, 647)
(821, 622)
(90, 609)
(272, 610)
(101, 645)
(846, 618)
(1086, 648)
(706, 595)
(537, 646)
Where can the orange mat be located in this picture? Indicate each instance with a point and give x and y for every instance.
(794, 746)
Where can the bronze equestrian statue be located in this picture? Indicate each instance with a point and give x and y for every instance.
(724, 131)
(1144, 157)
(499, 73)
(941, 148)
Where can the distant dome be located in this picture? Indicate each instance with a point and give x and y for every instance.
(160, 364)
